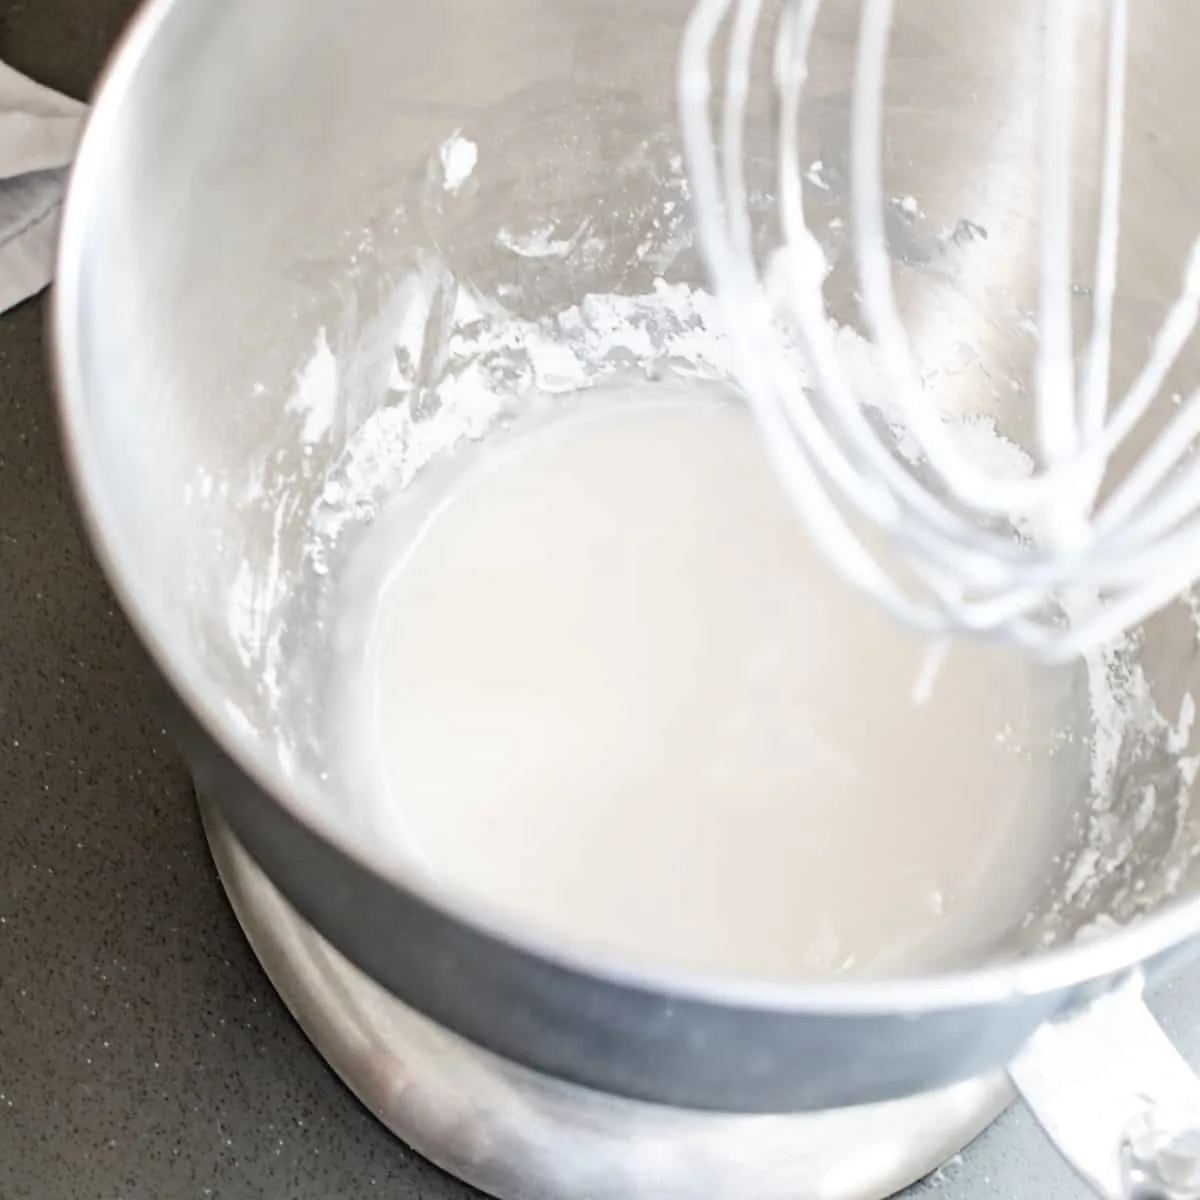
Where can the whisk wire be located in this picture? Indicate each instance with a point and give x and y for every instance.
(1055, 383)
(1098, 357)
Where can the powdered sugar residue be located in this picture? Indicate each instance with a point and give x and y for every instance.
(490, 365)
(538, 243)
(459, 156)
(316, 396)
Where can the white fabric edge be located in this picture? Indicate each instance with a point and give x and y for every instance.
(27, 262)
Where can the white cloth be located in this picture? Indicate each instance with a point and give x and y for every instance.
(39, 130)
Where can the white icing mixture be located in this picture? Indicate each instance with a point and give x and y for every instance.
(593, 673)
(610, 689)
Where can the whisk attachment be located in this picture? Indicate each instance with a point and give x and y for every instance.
(1053, 560)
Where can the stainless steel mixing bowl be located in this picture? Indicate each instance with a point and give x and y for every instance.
(260, 170)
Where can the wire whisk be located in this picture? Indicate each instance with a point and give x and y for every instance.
(928, 535)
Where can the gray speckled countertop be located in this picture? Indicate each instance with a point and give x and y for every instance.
(143, 1054)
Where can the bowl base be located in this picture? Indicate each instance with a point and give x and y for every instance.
(519, 1135)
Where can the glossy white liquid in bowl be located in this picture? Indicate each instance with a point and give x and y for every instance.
(608, 687)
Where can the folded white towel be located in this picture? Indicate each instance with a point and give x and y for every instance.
(39, 130)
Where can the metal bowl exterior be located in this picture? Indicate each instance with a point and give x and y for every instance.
(145, 317)
(519, 1135)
